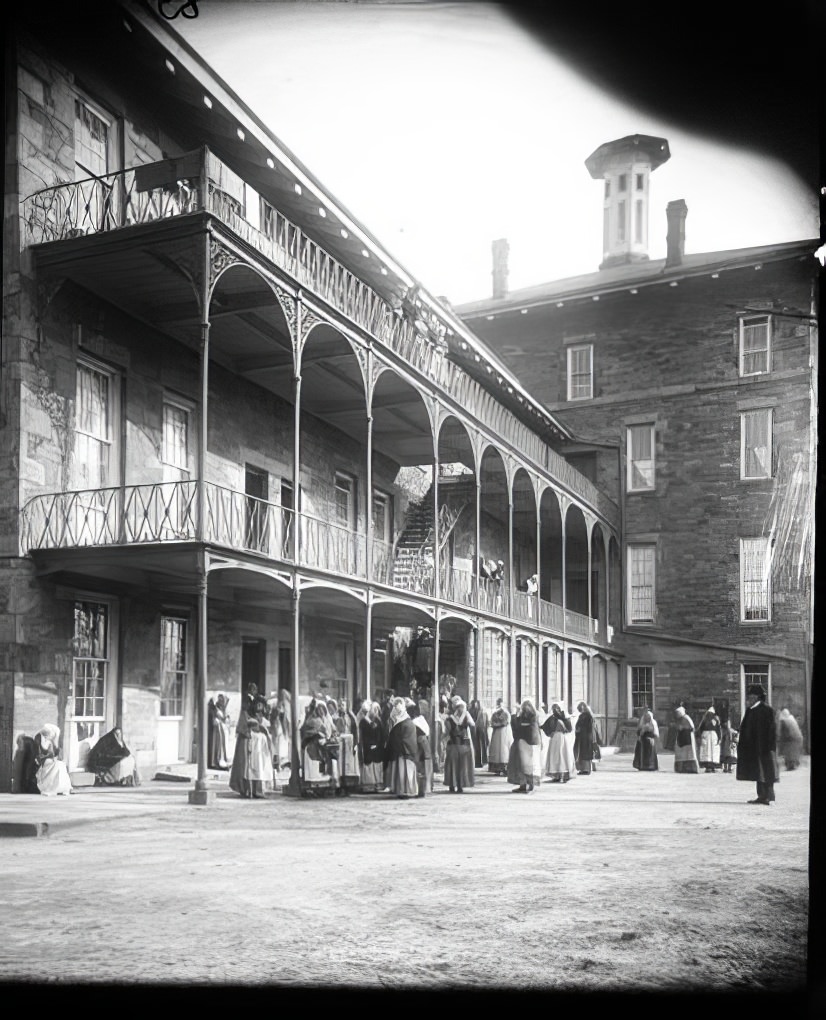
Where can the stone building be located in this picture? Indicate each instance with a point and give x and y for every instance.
(242, 444)
(690, 385)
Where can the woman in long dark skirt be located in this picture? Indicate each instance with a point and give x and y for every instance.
(424, 755)
(525, 761)
(459, 752)
(645, 751)
(586, 736)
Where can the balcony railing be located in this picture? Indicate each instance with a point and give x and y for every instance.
(199, 181)
(168, 512)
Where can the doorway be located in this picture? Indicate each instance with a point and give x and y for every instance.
(253, 665)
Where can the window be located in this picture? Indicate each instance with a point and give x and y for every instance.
(755, 563)
(495, 668)
(345, 497)
(622, 181)
(382, 516)
(621, 222)
(755, 345)
(95, 462)
(92, 206)
(641, 560)
(175, 445)
(90, 660)
(173, 665)
(640, 182)
(580, 372)
(640, 451)
(642, 689)
(638, 222)
(756, 443)
(757, 673)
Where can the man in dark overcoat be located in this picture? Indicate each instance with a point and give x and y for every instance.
(756, 751)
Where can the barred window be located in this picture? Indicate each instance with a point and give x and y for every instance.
(174, 665)
(642, 689)
(755, 597)
(641, 561)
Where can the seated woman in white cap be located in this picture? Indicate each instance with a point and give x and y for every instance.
(52, 776)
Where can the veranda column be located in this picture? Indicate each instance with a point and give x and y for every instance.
(478, 554)
(293, 787)
(509, 588)
(368, 641)
(512, 666)
(437, 586)
(368, 520)
(202, 795)
(434, 694)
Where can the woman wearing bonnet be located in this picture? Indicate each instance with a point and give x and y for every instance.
(560, 760)
(402, 745)
(459, 752)
(645, 752)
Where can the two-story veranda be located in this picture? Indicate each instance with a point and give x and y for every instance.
(259, 461)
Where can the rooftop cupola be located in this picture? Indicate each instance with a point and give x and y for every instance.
(625, 165)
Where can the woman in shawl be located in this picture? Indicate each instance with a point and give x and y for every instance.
(440, 743)
(281, 730)
(711, 736)
(500, 742)
(424, 756)
(645, 751)
(586, 741)
(401, 750)
(240, 776)
(218, 732)
(24, 766)
(112, 761)
(559, 763)
(459, 751)
(525, 763)
(789, 739)
(480, 735)
(319, 746)
(262, 775)
(371, 747)
(685, 757)
(348, 740)
(52, 776)
(728, 746)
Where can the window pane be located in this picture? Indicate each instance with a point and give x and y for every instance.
(579, 362)
(756, 427)
(173, 665)
(642, 582)
(175, 423)
(755, 346)
(642, 689)
(89, 666)
(754, 567)
(641, 442)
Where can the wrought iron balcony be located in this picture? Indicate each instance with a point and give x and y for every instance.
(199, 182)
(167, 512)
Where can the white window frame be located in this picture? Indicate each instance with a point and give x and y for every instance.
(746, 603)
(631, 549)
(746, 416)
(495, 667)
(747, 679)
(182, 673)
(629, 433)
(744, 323)
(633, 713)
(379, 496)
(576, 349)
(186, 409)
(110, 436)
(103, 660)
(346, 482)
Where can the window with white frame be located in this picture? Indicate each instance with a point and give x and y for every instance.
(757, 673)
(641, 682)
(755, 579)
(640, 443)
(345, 501)
(90, 664)
(175, 445)
(755, 345)
(756, 443)
(495, 668)
(382, 516)
(641, 578)
(174, 665)
(580, 372)
(95, 462)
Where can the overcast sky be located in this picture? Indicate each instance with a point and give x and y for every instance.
(442, 126)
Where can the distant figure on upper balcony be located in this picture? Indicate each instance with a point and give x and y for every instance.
(532, 584)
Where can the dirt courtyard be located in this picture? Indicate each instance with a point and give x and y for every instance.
(617, 881)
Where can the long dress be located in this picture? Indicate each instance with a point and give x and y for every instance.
(401, 758)
(261, 772)
(424, 757)
(52, 776)
(480, 738)
(708, 751)
(586, 736)
(241, 778)
(112, 761)
(645, 751)
(217, 736)
(559, 763)
(281, 727)
(24, 766)
(459, 753)
(789, 740)
(500, 742)
(348, 760)
(525, 758)
(685, 757)
(371, 745)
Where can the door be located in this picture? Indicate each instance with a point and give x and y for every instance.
(253, 665)
(172, 742)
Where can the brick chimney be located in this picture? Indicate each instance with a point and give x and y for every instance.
(500, 249)
(675, 238)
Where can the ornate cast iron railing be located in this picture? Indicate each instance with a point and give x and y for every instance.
(199, 181)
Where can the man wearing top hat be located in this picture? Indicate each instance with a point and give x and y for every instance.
(756, 752)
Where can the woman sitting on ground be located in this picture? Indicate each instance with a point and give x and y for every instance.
(52, 776)
(112, 761)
